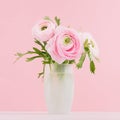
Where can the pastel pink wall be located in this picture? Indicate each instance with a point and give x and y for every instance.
(19, 87)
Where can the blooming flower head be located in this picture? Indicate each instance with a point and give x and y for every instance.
(61, 45)
(91, 44)
(43, 30)
(64, 45)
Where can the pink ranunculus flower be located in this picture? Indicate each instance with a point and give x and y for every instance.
(65, 45)
(44, 30)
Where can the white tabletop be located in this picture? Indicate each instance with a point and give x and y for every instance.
(71, 116)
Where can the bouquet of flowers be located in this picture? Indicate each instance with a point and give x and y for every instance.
(61, 45)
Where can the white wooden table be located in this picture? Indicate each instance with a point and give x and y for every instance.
(71, 116)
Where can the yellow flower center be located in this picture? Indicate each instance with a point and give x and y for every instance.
(67, 40)
(43, 28)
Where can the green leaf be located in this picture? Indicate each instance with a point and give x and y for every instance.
(37, 51)
(47, 18)
(92, 67)
(32, 58)
(39, 43)
(20, 55)
(86, 43)
(81, 60)
(57, 20)
(66, 62)
(30, 52)
(40, 74)
(45, 43)
(71, 61)
(86, 49)
(46, 62)
(90, 56)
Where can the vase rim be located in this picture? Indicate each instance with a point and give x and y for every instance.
(61, 64)
(60, 68)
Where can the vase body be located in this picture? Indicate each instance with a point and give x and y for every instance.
(58, 88)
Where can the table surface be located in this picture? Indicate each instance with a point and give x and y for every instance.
(70, 116)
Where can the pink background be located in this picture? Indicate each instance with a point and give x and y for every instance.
(19, 87)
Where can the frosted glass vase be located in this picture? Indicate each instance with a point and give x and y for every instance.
(59, 88)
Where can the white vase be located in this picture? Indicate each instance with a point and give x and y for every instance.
(59, 88)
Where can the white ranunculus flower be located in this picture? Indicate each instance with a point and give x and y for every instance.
(92, 45)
